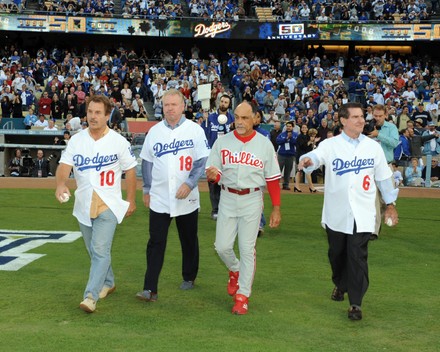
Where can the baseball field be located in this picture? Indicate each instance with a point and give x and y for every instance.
(290, 307)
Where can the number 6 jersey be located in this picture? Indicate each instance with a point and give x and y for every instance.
(351, 173)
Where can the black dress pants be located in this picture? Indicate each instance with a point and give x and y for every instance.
(187, 229)
(348, 256)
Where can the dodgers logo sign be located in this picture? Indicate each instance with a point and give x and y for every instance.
(15, 244)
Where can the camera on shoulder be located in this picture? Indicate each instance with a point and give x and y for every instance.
(370, 126)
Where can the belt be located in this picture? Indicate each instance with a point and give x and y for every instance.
(240, 192)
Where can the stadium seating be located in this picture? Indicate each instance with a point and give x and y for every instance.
(264, 14)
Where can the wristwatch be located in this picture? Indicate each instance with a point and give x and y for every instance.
(392, 203)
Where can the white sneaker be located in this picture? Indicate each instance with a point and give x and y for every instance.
(106, 291)
(88, 305)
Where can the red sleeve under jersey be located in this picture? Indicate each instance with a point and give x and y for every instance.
(273, 187)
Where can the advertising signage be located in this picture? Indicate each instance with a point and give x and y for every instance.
(194, 28)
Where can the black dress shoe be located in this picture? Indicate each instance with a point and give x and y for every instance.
(286, 188)
(296, 190)
(373, 237)
(354, 313)
(337, 295)
(312, 190)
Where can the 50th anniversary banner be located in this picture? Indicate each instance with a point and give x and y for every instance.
(190, 28)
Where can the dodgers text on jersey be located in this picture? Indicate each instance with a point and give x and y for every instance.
(174, 147)
(97, 162)
(356, 165)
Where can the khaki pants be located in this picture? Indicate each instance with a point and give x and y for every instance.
(380, 208)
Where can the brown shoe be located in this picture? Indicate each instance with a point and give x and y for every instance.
(355, 313)
(337, 295)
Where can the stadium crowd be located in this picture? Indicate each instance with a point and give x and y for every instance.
(362, 11)
(305, 89)
(320, 11)
(100, 8)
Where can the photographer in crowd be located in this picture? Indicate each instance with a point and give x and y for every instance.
(386, 134)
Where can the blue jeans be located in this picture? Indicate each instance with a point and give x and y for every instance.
(98, 239)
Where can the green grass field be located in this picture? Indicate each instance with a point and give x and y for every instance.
(290, 309)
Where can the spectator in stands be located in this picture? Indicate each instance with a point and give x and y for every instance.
(30, 119)
(431, 147)
(17, 106)
(268, 102)
(41, 122)
(402, 152)
(403, 118)
(420, 113)
(17, 83)
(70, 105)
(51, 126)
(274, 133)
(397, 175)
(305, 142)
(141, 114)
(6, 106)
(56, 108)
(44, 104)
(280, 105)
(413, 174)
(435, 173)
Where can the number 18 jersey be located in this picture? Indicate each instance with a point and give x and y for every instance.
(173, 153)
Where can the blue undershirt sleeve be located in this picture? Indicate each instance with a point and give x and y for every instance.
(147, 169)
(389, 193)
(197, 171)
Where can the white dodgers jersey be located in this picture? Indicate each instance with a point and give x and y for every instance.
(173, 152)
(98, 167)
(350, 188)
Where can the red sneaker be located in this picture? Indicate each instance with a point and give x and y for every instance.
(233, 283)
(241, 305)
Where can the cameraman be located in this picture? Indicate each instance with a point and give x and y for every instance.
(41, 167)
(387, 135)
(15, 164)
(384, 132)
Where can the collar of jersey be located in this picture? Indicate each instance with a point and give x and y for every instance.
(350, 140)
(245, 139)
(182, 120)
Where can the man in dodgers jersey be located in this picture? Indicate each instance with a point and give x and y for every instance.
(243, 162)
(98, 155)
(174, 156)
(354, 165)
(213, 130)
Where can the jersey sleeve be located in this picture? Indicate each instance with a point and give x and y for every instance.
(382, 170)
(67, 154)
(214, 156)
(202, 148)
(272, 167)
(146, 151)
(127, 157)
